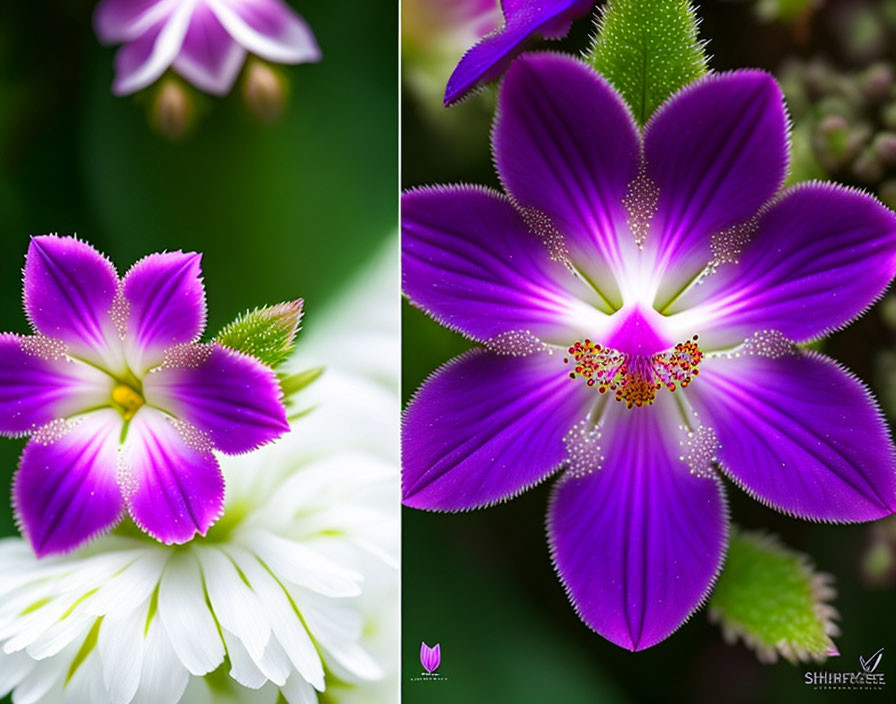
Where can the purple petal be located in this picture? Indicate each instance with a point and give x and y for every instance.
(800, 434)
(172, 484)
(209, 58)
(566, 144)
(119, 21)
(821, 256)
(717, 150)
(65, 491)
(232, 397)
(166, 305)
(470, 261)
(269, 28)
(638, 542)
(69, 291)
(485, 428)
(142, 60)
(523, 19)
(39, 384)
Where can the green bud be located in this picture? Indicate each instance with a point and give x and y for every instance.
(773, 599)
(172, 109)
(267, 333)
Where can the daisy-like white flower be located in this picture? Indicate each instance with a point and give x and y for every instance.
(205, 41)
(294, 591)
(122, 403)
(523, 20)
(639, 296)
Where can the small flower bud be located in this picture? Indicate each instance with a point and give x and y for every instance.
(264, 91)
(172, 111)
(888, 116)
(867, 167)
(885, 147)
(877, 81)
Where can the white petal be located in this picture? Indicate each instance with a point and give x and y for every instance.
(185, 615)
(120, 645)
(235, 605)
(45, 675)
(127, 590)
(303, 566)
(27, 629)
(13, 669)
(163, 679)
(242, 668)
(298, 47)
(60, 634)
(284, 620)
(298, 691)
(86, 685)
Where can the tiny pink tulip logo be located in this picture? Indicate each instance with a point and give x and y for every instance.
(430, 657)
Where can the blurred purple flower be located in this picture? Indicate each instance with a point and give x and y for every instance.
(205, 41)
(122, 403)
(667, 269)
(523, 20)
(430, 657)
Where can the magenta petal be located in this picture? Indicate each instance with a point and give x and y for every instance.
(118, 21)
(638, 542)
(166, 305)
(717, 150)
(800, 434)
(485, 428)
(65, 491)
(269, 28)
(69, 290)
(566, 144)
(172, 483)
(469, 260)
(38, 384)
(209, 58)
(821, 255)
(232, 397)
(523, 20)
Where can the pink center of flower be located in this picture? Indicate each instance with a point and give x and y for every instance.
(635, 378)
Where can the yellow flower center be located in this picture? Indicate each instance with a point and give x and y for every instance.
(127, 399)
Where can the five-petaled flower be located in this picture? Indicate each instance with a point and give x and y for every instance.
(205, 41)
(122, 403)
(523, 19)
(641, 297)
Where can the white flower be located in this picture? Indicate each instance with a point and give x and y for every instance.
(294, 590)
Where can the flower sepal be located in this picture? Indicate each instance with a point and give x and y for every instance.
(267, 333)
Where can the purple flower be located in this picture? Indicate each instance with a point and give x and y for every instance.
(665, 269)
(523, 20)
(122, 403)
(430, 657)
(205, 41)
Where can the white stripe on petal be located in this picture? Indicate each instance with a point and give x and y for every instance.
(185, 615)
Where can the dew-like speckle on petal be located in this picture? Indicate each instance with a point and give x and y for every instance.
(192, 436)
(49, 348)
(186, 356)
(726, 245)
(583, 451)
(120, 312)
(54, 431)
(699, 450)
(765, 343)
(127, 482)
(640, 203)
(544, 229)
(516, 343)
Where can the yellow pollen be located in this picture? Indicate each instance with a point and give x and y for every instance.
(128, 400)
(635, 379)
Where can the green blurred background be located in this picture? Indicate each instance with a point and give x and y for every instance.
(481, 583)
(279, 212)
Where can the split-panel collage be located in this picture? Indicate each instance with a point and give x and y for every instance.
(447, 351)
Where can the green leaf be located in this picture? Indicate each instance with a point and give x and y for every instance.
(648, 49)
(267, 333)
(294, 383)
(773, 599)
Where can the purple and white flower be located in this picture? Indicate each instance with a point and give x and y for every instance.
(523, 20)
(123, 405)
(666, 268)
(205, 41)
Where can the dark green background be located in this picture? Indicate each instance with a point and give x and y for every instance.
(481, 583)
(279, 212)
